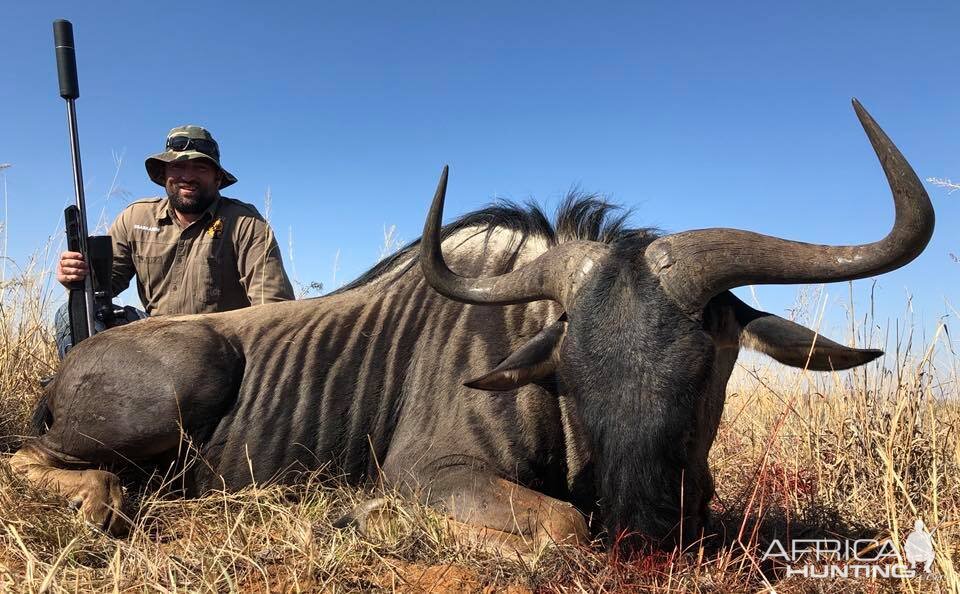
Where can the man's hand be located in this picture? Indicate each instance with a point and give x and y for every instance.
(71, 268)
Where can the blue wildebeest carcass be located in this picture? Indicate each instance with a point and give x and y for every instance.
(607, 351)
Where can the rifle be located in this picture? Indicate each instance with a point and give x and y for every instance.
(90, 300)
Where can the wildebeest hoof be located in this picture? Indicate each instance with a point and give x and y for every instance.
(370, 518)
(99, 497)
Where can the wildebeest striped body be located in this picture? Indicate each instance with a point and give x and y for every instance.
(326, 381)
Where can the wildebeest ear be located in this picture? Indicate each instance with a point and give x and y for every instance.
(790, 343)
(535, 360)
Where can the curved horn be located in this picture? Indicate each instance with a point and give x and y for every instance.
(555, 275)
(693, 266)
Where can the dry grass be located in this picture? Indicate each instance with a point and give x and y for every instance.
(850, 455)
(27, 351)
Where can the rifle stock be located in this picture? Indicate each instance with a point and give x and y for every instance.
(76, 292)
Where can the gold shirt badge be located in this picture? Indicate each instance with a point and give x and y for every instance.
(215, 229)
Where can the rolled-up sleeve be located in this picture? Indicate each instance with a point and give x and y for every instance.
(259, 262)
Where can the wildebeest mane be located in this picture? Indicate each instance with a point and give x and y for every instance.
(580, 216)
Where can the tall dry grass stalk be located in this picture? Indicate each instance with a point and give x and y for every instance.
(858, 454)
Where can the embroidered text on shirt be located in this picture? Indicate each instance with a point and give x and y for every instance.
(145, 228)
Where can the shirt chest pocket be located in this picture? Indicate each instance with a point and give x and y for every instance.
(153, 262)
(207, 271)
(209, 281)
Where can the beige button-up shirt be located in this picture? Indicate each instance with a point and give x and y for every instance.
(226, 259)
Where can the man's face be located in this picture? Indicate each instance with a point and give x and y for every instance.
(192, 185)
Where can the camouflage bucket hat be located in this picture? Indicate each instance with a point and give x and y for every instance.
(185, 143)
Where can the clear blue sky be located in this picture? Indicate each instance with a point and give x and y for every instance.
(693, 114)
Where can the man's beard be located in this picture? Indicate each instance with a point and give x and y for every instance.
(195, 204)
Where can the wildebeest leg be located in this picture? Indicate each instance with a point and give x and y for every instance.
(510, 544)
(493, 513)
(503, 515)
(377, 516)
(96, 493)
